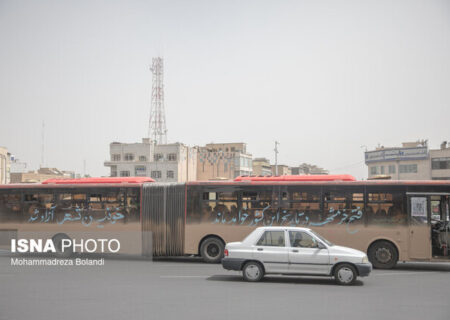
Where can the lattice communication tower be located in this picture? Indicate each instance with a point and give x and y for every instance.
(157, 130)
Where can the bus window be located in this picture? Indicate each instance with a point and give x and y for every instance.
(343, 207)
(132, 204)
(260, 208)
(220, 207)
(39, 207)
(10, 207)
(303, 207)
(386, 208)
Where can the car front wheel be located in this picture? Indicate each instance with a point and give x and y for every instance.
(345, 274)
(253, 271)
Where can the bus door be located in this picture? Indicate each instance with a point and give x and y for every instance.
(419, 226)
(440, 226)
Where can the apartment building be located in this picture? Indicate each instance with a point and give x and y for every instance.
(165, 162)
(218, 161)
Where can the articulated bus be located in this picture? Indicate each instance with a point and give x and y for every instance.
(390, 220)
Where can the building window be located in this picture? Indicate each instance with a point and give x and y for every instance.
(115, 157)
(440, 163)
(172, 157)
(157, 156)
(382, 169)
(124, 173)
(407, 168)
(374, 170)
(142, 158)
(140, 171)
(392, 168)
(156, 174)
(113, 171)
(129, 157)
(170, 174)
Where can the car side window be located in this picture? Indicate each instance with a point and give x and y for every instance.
(272, 238)
(300, 239)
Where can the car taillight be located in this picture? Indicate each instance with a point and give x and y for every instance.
(225, 252)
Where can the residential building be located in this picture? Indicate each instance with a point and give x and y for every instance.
(282, 170)
(411, 161)
(440, 162)
(163, 162)
(306, 168)
(17, 166)
(4, 165)
(262, 167)
(223, 161)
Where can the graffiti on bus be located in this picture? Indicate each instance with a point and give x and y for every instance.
(85, 216)
(266, 217)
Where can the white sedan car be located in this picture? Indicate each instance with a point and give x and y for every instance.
(290, 250)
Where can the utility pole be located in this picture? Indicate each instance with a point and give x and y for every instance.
(43, 144)
(276, 157)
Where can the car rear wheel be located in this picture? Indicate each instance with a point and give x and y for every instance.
(211, 250)
(345, 274)
(253, 271)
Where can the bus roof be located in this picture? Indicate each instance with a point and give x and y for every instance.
(325, 183)
(320, 177)
(101, 180)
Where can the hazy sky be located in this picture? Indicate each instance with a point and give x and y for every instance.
(321, 77)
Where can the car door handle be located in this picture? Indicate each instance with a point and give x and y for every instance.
(295, 250)
(260, 249)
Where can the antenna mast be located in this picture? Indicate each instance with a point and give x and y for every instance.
(43, 144)
(157, 131)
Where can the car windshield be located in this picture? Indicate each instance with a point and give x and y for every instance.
(322, 238)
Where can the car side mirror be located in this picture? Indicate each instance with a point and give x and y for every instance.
(320, 245)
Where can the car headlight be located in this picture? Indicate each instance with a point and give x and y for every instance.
(365, 260)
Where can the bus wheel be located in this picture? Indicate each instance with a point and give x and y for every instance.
(211, 250)
(383, 255)
(58, 241)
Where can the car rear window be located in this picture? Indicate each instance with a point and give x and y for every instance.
(272, 238)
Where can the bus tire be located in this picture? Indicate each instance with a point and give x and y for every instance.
(383, 255)
(57, 242)
(212, 249)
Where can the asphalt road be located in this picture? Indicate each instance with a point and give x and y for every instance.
(189, 289)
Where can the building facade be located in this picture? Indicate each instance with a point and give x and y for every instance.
(164, 163)
(217, 161)
(4, 165)
(440, 162)
(306, 168)
(262, 167)
(411, 161)
(282, 170)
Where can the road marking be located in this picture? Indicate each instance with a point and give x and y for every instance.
(174, 277)
(405, 273)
